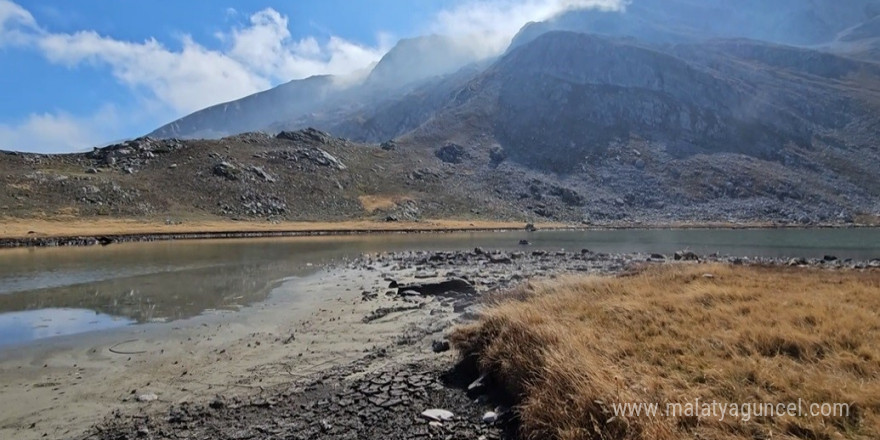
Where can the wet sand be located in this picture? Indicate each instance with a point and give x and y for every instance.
(72, 387)
(61, 387)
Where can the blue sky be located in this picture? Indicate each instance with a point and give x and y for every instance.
(80, 73)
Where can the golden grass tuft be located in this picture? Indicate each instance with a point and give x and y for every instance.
(373, 203)
(569, 348)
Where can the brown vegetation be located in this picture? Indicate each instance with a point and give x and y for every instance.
(373, 203)
(73, 227)
(570, 348)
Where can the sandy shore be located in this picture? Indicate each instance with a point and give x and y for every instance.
(330, 320)
(62, 387)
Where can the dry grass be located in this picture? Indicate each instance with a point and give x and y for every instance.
(374, 203)
(568, 349)
(61, 226)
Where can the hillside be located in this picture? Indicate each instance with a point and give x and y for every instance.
(652, 114)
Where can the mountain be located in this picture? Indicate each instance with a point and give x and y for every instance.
(793, 22)
(669, 110)
(410, 62)
(286, 101)
(737, 125)
(860, 41)
(417, 59)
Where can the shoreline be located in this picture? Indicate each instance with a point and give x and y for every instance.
(25, 233)
(338, 341)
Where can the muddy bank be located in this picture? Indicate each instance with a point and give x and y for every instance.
(104, 240)
(19, 233)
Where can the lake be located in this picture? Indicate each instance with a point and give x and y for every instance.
(48, 292)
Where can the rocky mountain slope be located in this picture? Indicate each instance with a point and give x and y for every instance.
(599, 124)
(310, 175)
(793, 22)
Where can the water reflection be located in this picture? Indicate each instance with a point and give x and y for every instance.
(165, 281)
(31, 325)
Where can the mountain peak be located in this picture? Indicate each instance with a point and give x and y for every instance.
(420, 58)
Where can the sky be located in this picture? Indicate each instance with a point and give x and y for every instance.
(75, 74)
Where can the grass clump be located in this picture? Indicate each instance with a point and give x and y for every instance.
(569, 349)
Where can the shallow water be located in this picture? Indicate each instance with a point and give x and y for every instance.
(59, 291)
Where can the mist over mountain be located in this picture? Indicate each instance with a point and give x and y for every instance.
(849, 28)
(410, 62)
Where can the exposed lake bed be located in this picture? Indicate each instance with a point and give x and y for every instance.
(321, 323)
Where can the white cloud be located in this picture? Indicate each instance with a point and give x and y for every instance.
(15, 23)
(254, 56)
(59, 132)
(490, 24)
(185, 80)
(267, 47)
(257, 56)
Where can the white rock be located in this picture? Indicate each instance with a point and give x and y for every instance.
(437, 415)
(149, 397)
(490, 417)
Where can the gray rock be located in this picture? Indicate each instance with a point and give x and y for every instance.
(262, 174)
(226, 170)
(686, 256)
(454, 285)
(440, 346)
(451, 153)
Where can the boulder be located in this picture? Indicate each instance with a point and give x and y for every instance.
(262, 174)
(226, 170)
(686, 256)
(497, 155)
(440, 346)
(451, 153)
(454, 285)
